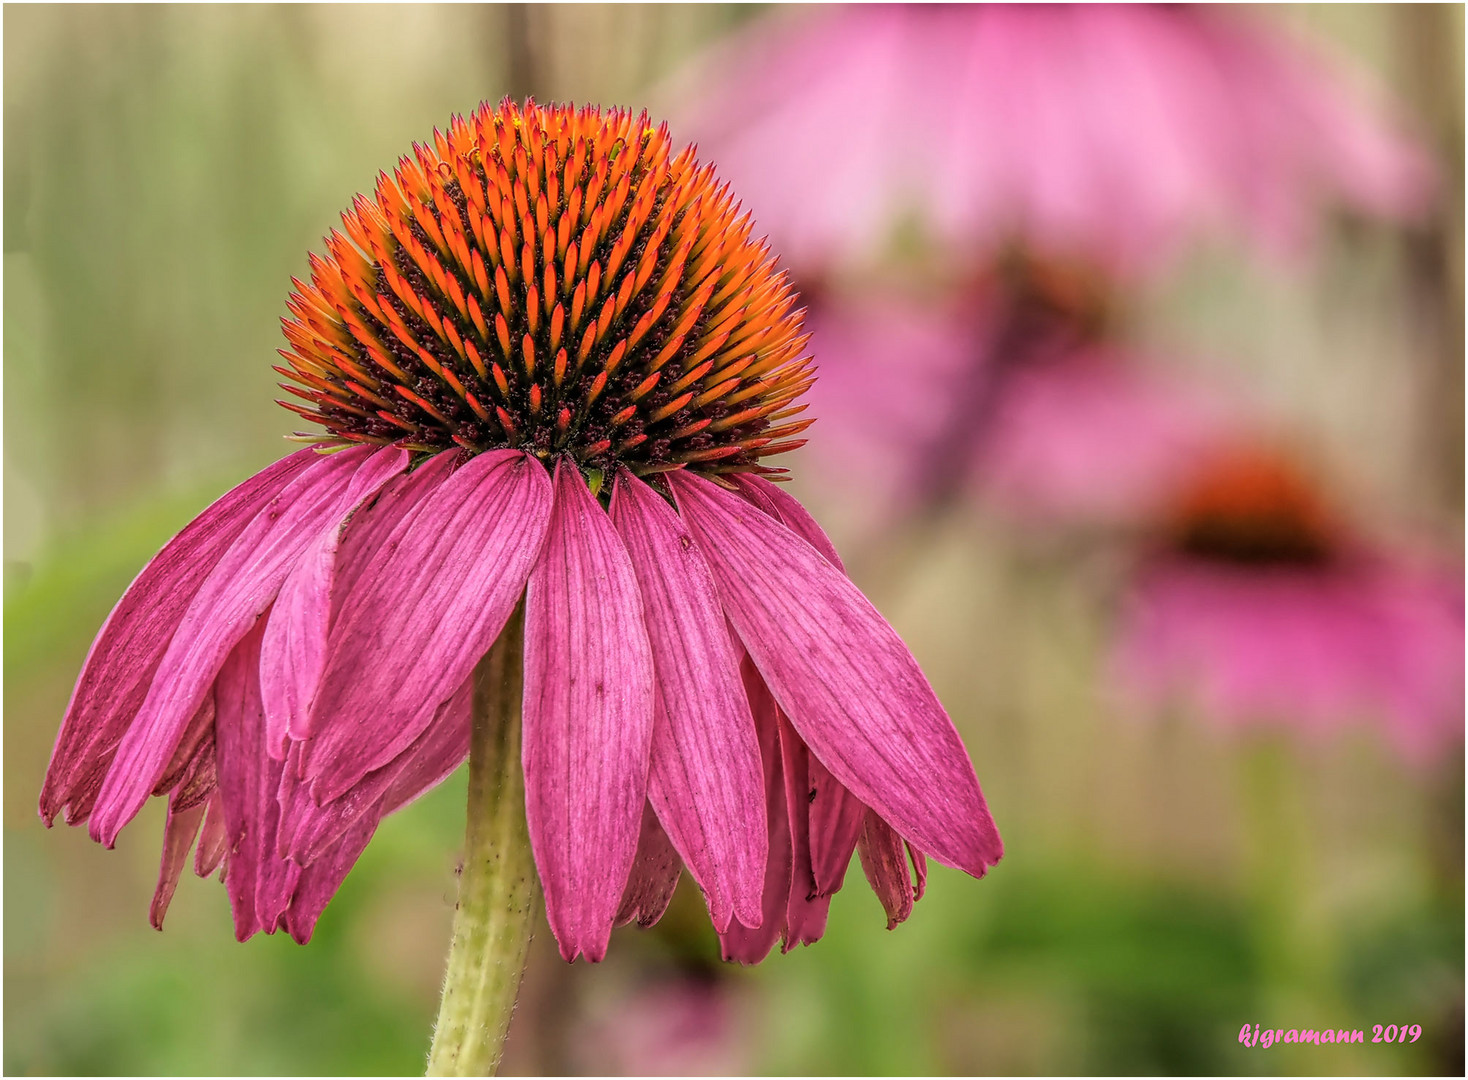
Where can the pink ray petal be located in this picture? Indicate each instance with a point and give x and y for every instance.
(750, 945)
(293, 654)
(308, 830)
(805, 913)
(248, 778)
(318, 883)
(705, 777)
(371, 543)
(213, 838)
(200, 730)
(844, 677)
(919, 872)
(786, 509)
(419, 611)
(589, 692)
(431, 759)
(120, 665)
(234, 596)
(178, 836)
(836, 817)
(885, 864)
(654, 876)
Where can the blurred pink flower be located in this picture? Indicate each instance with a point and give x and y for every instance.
(679, 1026)
(1112, 134)
(1000, 394)
(1260, 610)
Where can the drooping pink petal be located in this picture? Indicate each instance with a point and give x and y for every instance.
(419, 611)
(236, 593)
(805, 914)
(200, 779)
(785, 508)
(885, 864)
(318, 883)
(588, 717)
(836, 814)
(372, 535)
(444, 747)
(919, 872)
(247, 779)
(213, 838)
(704, 781)
(200, 730)
(843, 676)
(178, 836)
(750, 945)
(294, 650)
(836, 817)
(307, 829)
(267, 892)
(654, 876)
(120, 665)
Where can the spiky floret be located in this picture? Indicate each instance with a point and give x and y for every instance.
(552, 279)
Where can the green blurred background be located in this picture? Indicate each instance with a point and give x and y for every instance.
(166, 171)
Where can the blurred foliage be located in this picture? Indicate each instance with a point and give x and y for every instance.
(166, 170)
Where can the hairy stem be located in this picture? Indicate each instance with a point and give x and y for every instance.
(498, 887)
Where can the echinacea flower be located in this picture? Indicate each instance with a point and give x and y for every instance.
(1261, 608)
(1010, 391)
(676, 1024)
(550, 359)
(1108, 134)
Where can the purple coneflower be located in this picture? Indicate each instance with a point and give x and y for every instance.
(551, 359)
(1105, 133)
(1260, 607)
(1013, 390)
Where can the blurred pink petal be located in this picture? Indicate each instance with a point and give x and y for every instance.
(1095, 437)
(926, 398)
(1314, 649)
(1109, 133)
(675, 1026)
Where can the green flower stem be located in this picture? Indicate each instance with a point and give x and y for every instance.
(498, 887)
